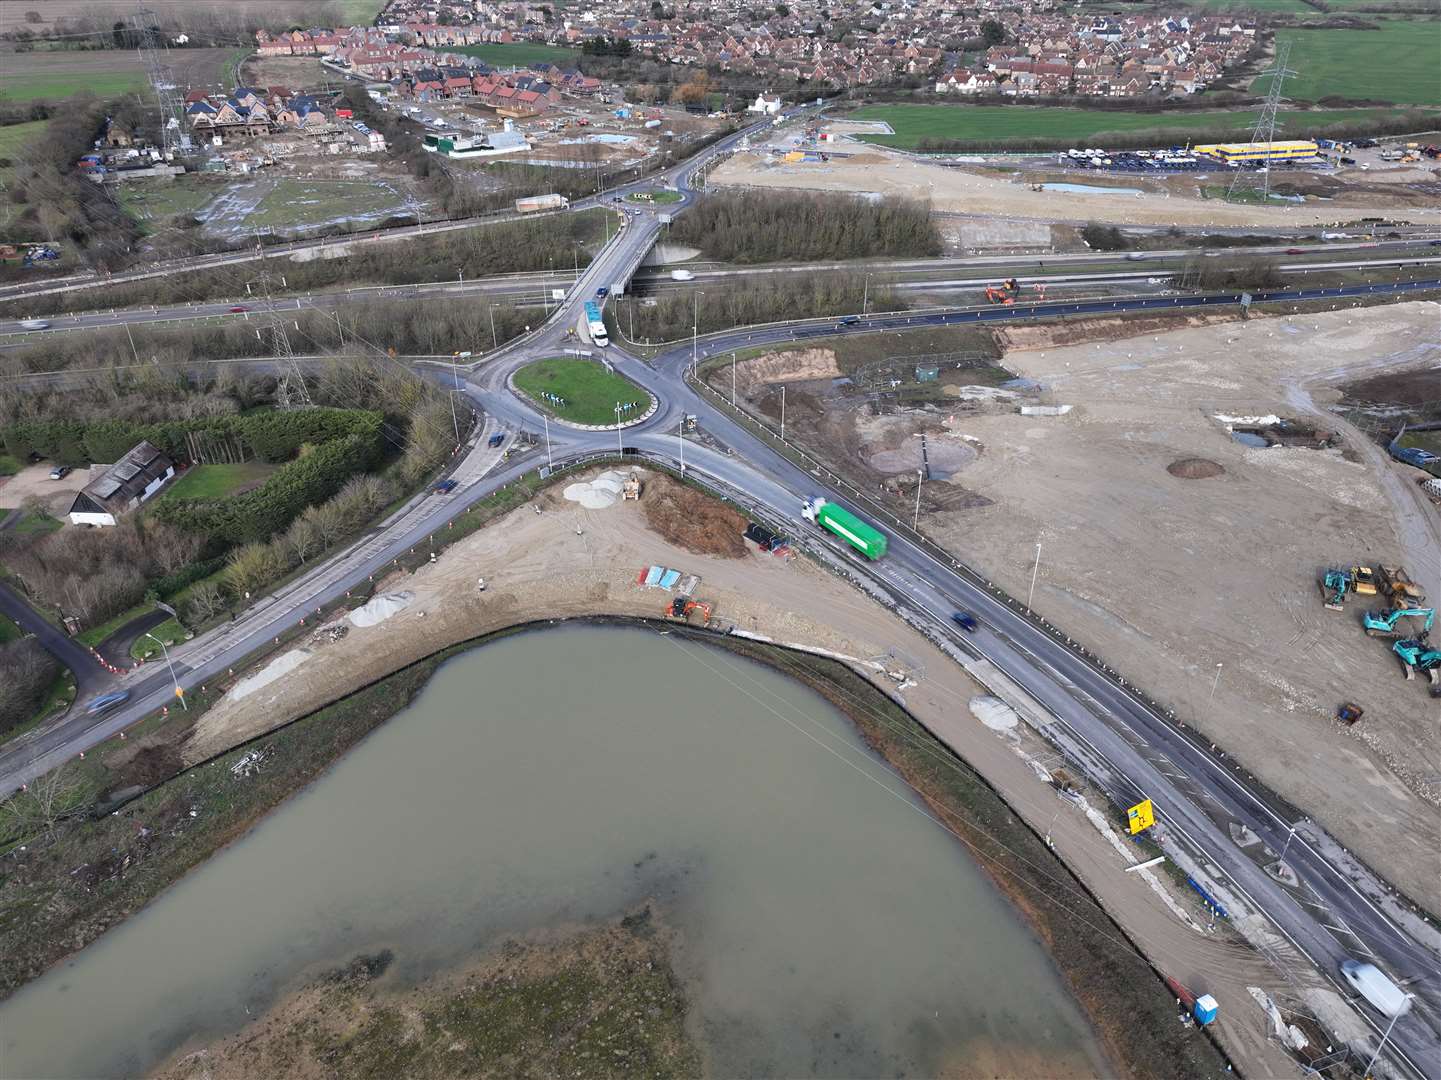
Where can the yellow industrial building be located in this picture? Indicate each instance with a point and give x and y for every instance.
(1259, 151)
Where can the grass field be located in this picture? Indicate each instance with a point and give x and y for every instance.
(588, 391)
(170, 632)
(58, 87)
(8, 630)
(12, 143)
(359, 12)
(1397, 62)
(218, 481)
(522, 55)
(1002, 123)
(35, 525)
(1288, 6)
(285, 204)
(155, 202)
(655, 197)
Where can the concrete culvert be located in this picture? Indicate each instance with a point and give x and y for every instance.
(1194, 468)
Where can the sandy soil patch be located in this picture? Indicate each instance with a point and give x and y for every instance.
(1170, 576)
(958, 192)
(35, 480)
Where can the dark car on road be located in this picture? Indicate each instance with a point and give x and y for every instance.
(444, 487)
(966, 621)
(602, 292)
(105, 702)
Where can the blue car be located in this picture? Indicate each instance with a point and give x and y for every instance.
(602, 293)
(965, 621)
(105, 702)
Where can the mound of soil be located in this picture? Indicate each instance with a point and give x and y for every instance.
(1194, 468)
(691, 520)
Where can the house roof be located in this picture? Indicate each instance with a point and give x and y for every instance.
(130, 476)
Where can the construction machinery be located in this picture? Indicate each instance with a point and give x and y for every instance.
(1335, 584)
(1383, 623)
(1363, 581)
(1004, 293)
(682, 607)
(1394, 582)
(1416, 656)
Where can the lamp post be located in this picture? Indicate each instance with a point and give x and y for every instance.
(916, 521)
(548, 463)
(783, 412)
(1405, 1007)
(1215, 682)
(733, 380)
(166, 653)
(1035, 571)
(620, 446)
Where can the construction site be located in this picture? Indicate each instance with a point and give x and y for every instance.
(1290, 563)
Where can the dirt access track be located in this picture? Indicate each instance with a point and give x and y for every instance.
(567, 561)
(1205, 591)
(955, 191)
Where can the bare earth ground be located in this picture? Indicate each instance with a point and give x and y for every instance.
(35, 480)
(957, 192)
(539, 566)
(1169, 578)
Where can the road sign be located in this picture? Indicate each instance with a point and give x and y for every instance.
(1141, 817)
(1246, 300)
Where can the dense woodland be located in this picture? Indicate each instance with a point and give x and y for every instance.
(26, 672)
(772, 226)
(385, 433)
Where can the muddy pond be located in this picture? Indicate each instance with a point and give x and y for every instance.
(826, 925)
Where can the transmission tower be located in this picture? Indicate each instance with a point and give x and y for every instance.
(1265, 130)
(291, 392)
(174, 135)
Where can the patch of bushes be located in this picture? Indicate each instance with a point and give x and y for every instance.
(26, 672)
(752, 227)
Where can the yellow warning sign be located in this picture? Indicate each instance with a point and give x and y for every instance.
(1141, 816)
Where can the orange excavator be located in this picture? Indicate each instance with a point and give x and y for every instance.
(682, 607)
(1004, 293)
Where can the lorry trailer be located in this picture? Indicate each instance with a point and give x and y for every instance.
(536, 203)
(836, 519)
(595, 325)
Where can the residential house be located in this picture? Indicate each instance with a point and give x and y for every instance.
(122, 487)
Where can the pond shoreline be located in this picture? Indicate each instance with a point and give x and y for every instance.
(1134, 1020)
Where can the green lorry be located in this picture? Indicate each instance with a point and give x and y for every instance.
(836, 519)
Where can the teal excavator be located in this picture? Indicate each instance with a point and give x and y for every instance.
(1383, 623)
(1416, 656)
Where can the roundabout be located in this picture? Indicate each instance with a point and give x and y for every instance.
(582, 392)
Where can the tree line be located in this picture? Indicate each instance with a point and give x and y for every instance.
(794, 296)
(557, 242)
(26, 672)
(754, 227)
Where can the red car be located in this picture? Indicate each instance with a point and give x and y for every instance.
(239, 309)
(1295, 251)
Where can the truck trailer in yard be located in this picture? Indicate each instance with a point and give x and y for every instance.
(836, 519)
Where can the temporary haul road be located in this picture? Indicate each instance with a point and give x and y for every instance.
(1097, 720)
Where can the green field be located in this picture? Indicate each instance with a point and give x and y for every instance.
(8, 630)
(301, 204)
(35, 525)
(656, 197)
(589, 392)
(60, 86)
(1287, 6)
(145, 648)
(999, 124)
(522, 55)
(218, 481)
(359, 12)
(12, 145)
(156, 201)
(1397, 62)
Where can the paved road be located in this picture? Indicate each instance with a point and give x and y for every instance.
(1097, 720)
(90, 677)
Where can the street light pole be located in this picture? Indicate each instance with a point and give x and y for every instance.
(620, 446)
(866, 295)
(549, 464)
(494, 340)
(916, 521)
(176, 682)
(1215, 682)
(1035, 571)
(1399, 1013)
(783, 412)
(733, 380)
(680, 435)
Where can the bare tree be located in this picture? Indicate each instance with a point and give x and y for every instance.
(46, 801)
(206, 601)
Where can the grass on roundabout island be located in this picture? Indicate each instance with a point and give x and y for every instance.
(581, 391)
(659, 197)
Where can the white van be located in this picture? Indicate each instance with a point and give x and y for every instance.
(1372, 984)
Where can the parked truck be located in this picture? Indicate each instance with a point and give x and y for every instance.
(836, 519)
(535, 203)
